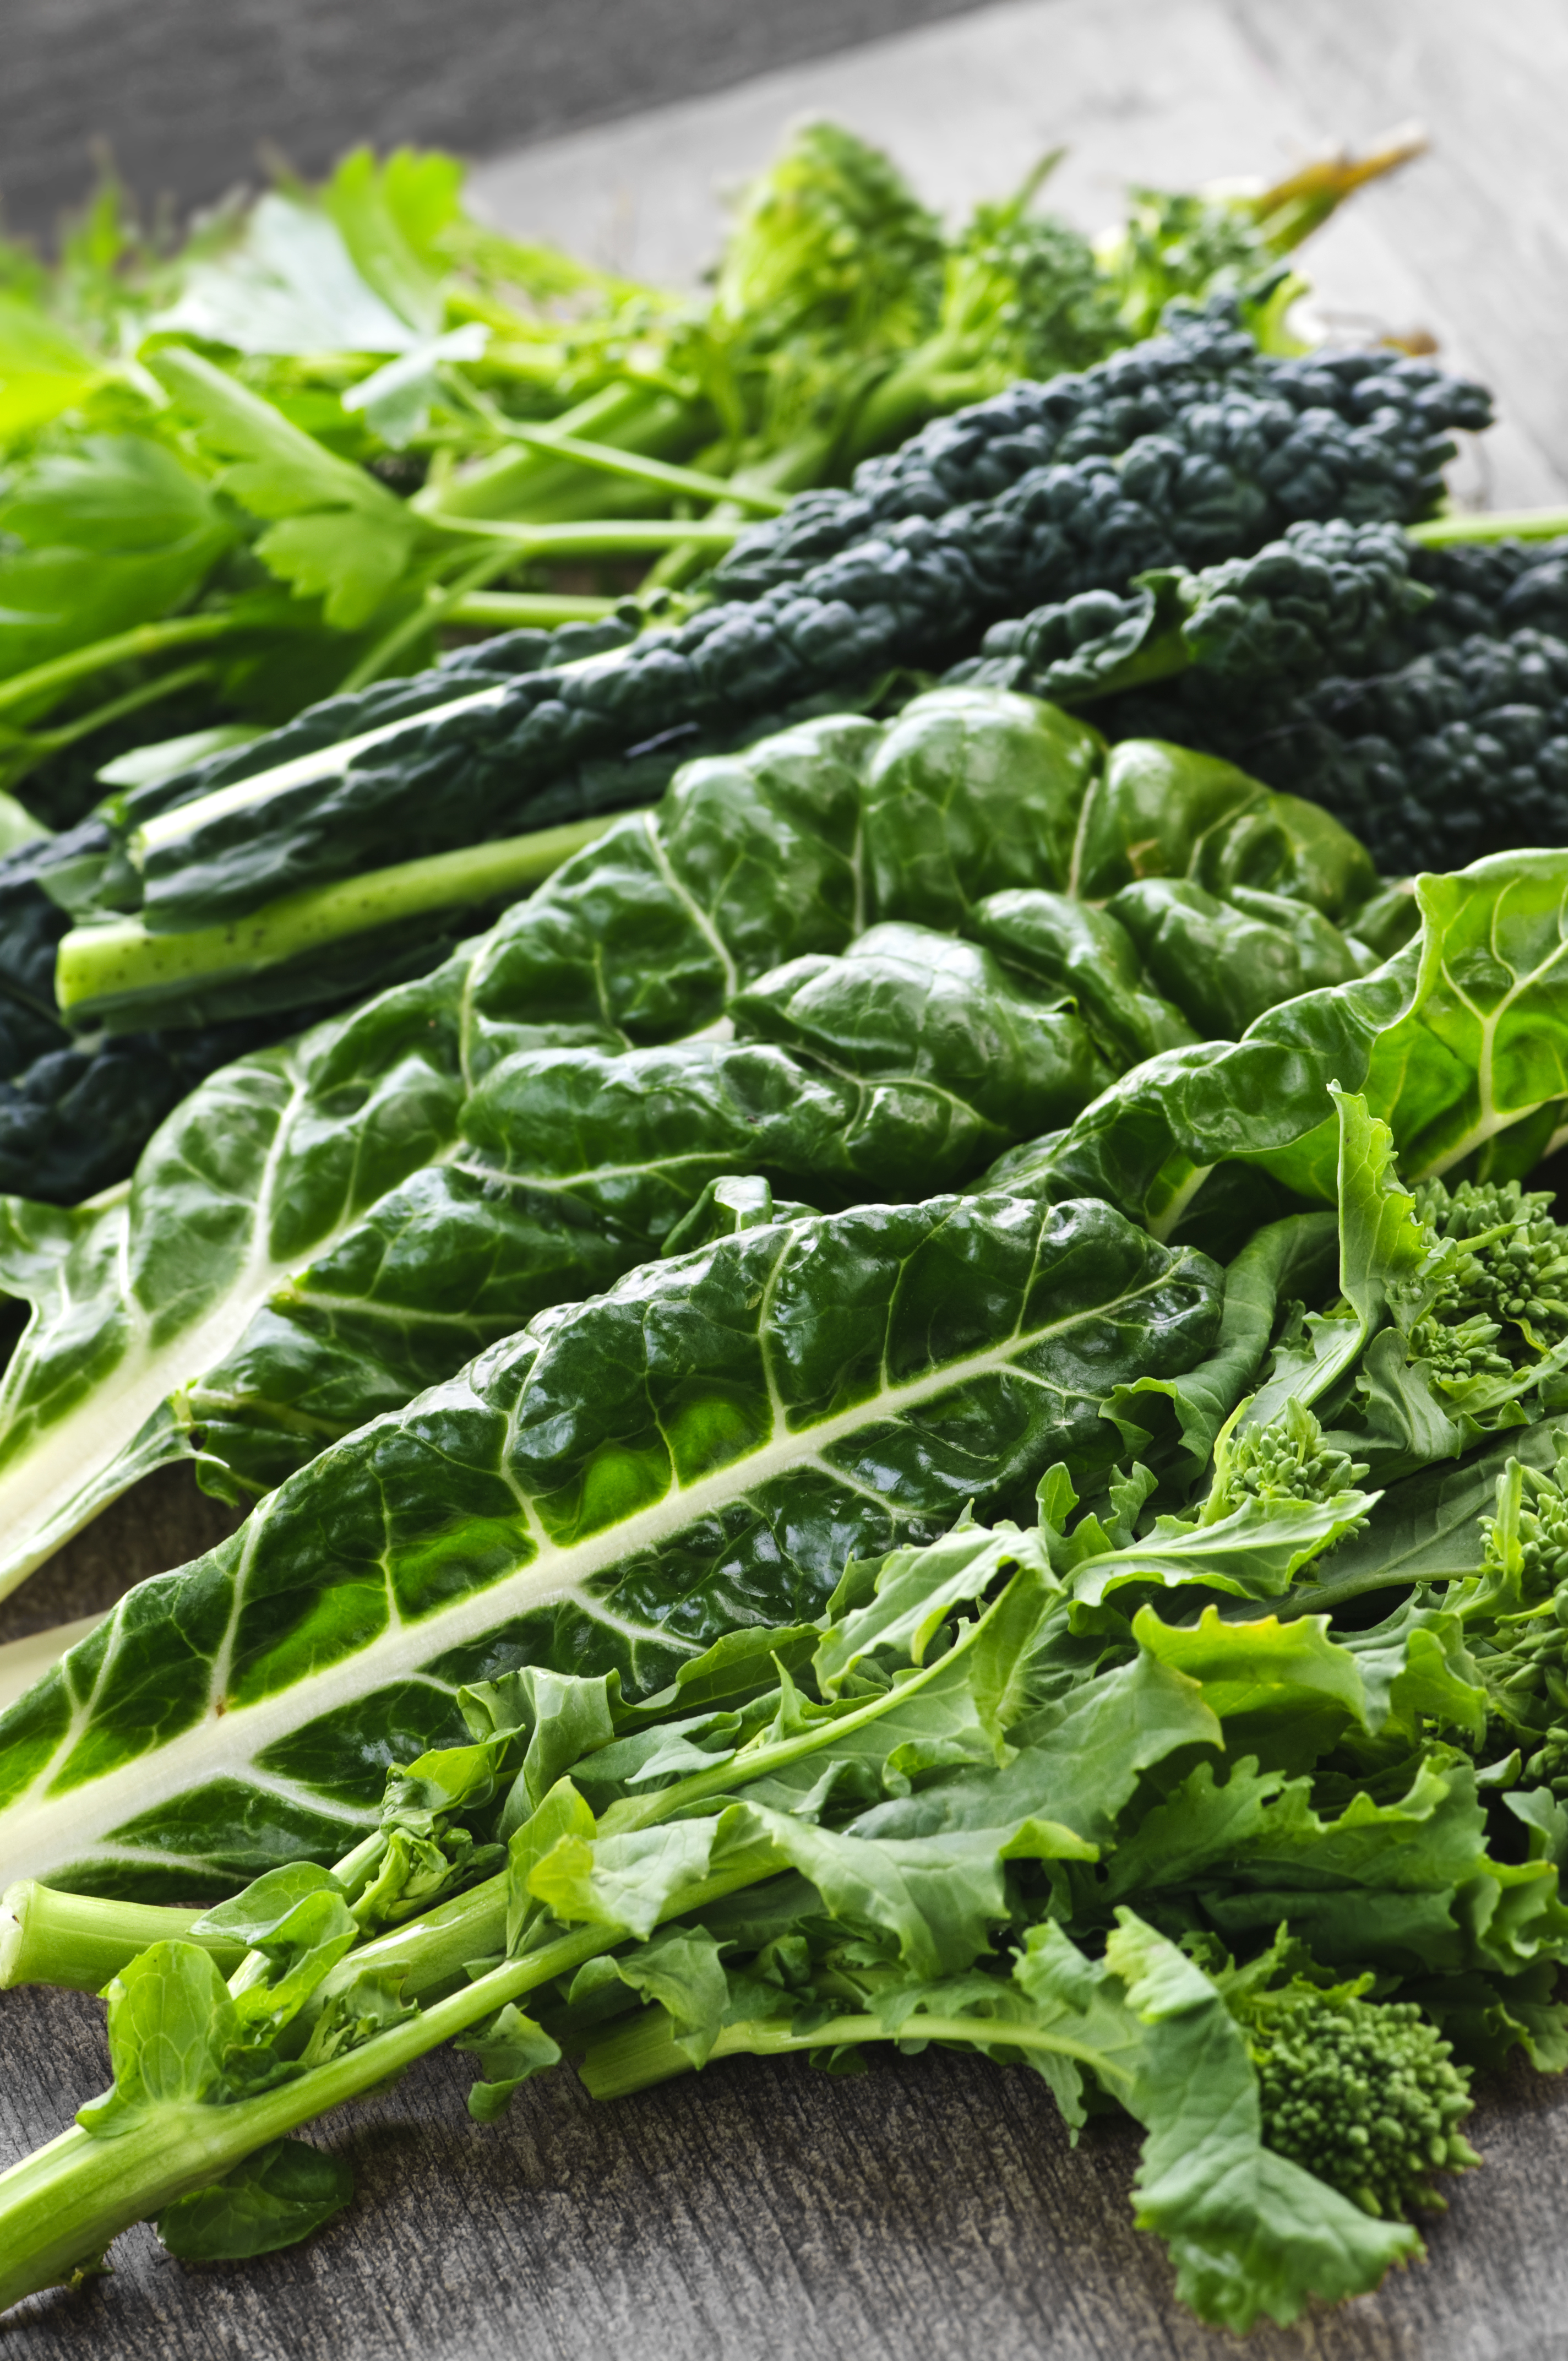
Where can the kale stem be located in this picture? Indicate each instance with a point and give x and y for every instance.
(1491, 524)
(105, 973)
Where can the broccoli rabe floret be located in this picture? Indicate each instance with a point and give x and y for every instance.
(1288, 1459)
(1363, 2093)
(1506, 1292)
(1539, 1533)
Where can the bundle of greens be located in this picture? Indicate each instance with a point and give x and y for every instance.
(350, 847)
(376, 323)
(1138, 1797)
(400, 378)
(404, 1184)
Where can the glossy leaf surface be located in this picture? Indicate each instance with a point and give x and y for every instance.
(619, 1485)
(322, 1230)
(1459, 1043)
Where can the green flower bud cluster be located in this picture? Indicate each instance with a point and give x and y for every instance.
(1541, 1534)
(1363, 2094)
(1457, 1352)
(1286, 1460)
(1548, 1766)
(1509, 1280)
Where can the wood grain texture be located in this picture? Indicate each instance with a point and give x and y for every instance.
(929, 2210)
(1482, 224)
(1172, 93)
(185, 93)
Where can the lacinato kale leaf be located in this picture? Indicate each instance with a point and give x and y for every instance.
(1190, 447)
(1326, 597)
(1443, 739)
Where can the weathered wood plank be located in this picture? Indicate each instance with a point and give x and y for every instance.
(931, 2211)
(1482, 223)
(1171, 93)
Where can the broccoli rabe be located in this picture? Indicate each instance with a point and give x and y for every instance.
(1511, 1271)
(1540, 1531)
(1363, 2093)
(1285, 1459)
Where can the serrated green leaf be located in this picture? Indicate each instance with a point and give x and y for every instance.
(350, 562)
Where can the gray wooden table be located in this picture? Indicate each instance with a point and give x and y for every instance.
(931, 2209)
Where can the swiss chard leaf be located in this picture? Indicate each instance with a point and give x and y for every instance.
(275, 1159)
(1457, 1043)
(701, 1447)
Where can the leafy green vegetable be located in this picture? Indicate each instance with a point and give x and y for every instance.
(1326, 596)
(478, 409)
(1453, 1041)
(1120, 1797)
(115, 532)
(1365, 2097)
(1249, 2231)
(829, 598)
(524, 1141)
(730, 1874)
(697, 1447)
(276, 2197)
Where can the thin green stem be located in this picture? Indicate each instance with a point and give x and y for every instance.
(47, 680)
(62, 2206)
(1322, 1598)
(528, 479)
(510, 610)
(790, 471)
(633, 2056)
(115, 708)
(759, 1761)
(608, 537)
(694, 483)
(1491, 524)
